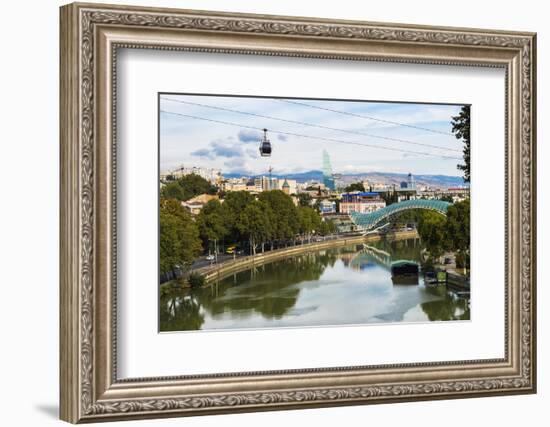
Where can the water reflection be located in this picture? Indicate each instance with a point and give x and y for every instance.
(350, 285)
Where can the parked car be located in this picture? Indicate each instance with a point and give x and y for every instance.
(210, 258)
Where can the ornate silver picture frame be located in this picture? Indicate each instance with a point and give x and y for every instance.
(91, 36)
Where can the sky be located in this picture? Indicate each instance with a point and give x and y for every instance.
(224, 132)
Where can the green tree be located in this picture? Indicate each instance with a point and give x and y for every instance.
(187, 187)
(304, 199)
(327, 227)
(211, 223)
(237, 200)
(172, 190)
(390, 197)
(309, 222)
(254, 223)
(179, 239)
(432, 232)
(457, 225)
(457, 231)
(449, 233)
(234, 203)
(461, 129)
(356, 186)
(285, 224)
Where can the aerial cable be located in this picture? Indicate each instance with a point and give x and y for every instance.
(315, 138)
(387, 138)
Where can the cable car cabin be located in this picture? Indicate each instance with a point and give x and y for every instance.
(265, 146)
(404, 272)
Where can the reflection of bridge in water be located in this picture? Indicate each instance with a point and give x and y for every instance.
(372, 220)
(370, 254)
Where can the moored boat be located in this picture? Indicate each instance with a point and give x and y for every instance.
(404, 272)
(430, 278)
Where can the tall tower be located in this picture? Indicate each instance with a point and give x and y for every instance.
(328, 179)
(410, 182)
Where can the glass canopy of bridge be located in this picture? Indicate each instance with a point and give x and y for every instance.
(369, 221)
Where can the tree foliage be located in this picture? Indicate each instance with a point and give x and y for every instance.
(254, 223)
(187, 187)
(211, 222)
(327, 227)
(309, 221)
(285, 225)
(432, 232)
(172, 190)
(461, 129)
(450, 233)
(180, 243)
(233, 204)
(457, 226)
(356, 186)
(390, 197)
(304, 199)
(271, 219)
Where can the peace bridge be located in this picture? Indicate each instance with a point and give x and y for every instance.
(372, 220)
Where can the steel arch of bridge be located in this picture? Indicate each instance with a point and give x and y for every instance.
(369, 221)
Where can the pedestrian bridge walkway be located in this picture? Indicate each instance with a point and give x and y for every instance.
(372, 220)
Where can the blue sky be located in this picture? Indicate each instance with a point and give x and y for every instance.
(355, 144)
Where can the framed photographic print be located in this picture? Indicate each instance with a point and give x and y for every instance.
(267, 212)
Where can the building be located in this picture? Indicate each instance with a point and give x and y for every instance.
(328, 178)
(289, 186)
(379, 186)
(266, 183)
(195, 204)
(339, 180)
(327, 207)
(286, 187)
(361, 202)
(411, 185)
(234, 184)
(314, 185)
(458, 194)
(251, 187)
(459, 191)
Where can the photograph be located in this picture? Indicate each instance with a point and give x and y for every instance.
(270, 209)
(295, 212)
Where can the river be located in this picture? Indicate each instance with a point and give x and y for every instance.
(343, 286)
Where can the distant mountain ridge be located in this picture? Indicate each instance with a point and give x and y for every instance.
(443, 181)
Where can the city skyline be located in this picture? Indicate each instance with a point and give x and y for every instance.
(224, 133)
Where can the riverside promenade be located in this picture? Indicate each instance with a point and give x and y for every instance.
(222, 270)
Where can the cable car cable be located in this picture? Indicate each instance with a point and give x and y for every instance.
(309, 136)
(364, 116)
(311, 125)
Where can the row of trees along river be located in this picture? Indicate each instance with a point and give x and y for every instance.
(265, 223)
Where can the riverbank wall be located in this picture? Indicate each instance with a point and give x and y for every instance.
(458, 281)
(220, 271)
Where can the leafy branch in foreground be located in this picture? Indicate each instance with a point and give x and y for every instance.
(461, 129)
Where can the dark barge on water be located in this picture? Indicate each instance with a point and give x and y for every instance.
(404, 272)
